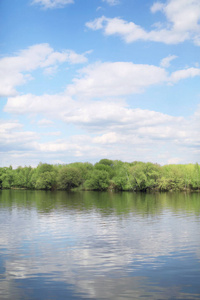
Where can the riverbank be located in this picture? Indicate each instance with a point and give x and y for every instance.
(105, 175)
(111, 189)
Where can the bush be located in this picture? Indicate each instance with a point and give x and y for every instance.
(98, 180)
(68, 178)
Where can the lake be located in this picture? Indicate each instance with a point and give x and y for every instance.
(92, 245)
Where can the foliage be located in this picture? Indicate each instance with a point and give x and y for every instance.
(97, 180)
(7, 177)
(22, 177)
(84, 168)
(144, 176)
(121, 179)
(46, 181)
(174, 177)
(69, 177)
(105, 174)
(106, 162)
(105, 167)
(45, 177)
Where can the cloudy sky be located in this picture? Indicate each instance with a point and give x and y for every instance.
(83, 80)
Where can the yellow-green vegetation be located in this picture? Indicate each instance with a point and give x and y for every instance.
(104, 175)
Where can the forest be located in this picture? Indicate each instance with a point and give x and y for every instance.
(112, 175)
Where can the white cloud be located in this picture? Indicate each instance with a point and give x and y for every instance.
(97, 116)
(97, 23)
(65, 56)
(183, 74)
(13, 137)
(182, 16)
(111, 129)
(55, 133)
(157, 6)
(115, 79)
(50, 70)
(131, 134)
(100, 117)
(51, 104)
(128, 31)
(99, 8)
(7, 126)
(123, 78)
(165, 62)
(57, 146)
(131, 32)
(15, 70)
(107, 116)
(103, 81)
(107, 138)
(45, 122)
(52, 3)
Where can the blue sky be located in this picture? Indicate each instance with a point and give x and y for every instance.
(83, 80)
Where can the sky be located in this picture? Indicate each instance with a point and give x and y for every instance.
(82, 80)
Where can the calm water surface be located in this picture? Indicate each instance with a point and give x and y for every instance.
(89, 245)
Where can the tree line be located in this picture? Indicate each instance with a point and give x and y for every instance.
(104, 175)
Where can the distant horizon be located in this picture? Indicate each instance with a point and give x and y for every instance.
(93, 163)
(82, 80)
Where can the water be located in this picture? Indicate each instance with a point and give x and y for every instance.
(89, 245)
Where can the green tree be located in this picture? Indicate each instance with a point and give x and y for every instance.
(1, 179)
(84, 168)
(121, 179)
(195, 180)
(69, 177)
(44, 177)
(97, 180)
(33, 179)
(22, 177)
(174, 177)
(7, 177)
(46, 181)
(44, 167)
(106, 162)
(144, 176)
(105, 167)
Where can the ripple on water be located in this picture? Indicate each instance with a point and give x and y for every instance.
(99, 248)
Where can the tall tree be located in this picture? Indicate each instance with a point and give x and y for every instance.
(69, 177)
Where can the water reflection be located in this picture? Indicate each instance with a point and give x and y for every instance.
(99, 246)
(104, 202)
